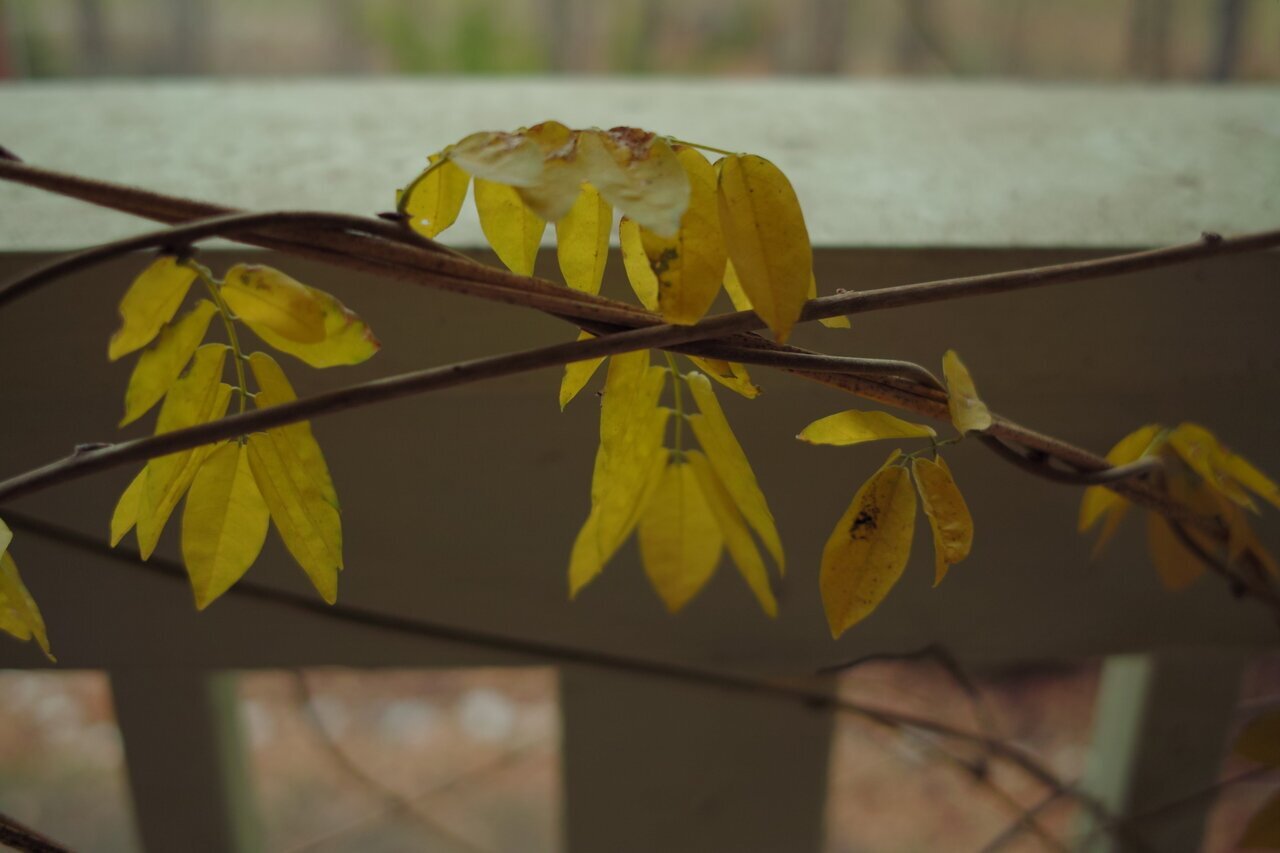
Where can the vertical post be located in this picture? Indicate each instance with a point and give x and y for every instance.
(651, 765)
(1160, 730)
(186, 761)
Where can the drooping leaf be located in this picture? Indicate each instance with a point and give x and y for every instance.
(766, 239)
(299, 512)
(741, 302)
(680, 541)
(737, 538)
(512, 229)
(840, 321)
(1177, 566)
(434, 200)
(19, 615)
(507, 158)
(968, 412)
(347, 338)
(1243, 472)
(1200, 449)
(125, 515)
(636, 264)
(6, 536)
(949, 518)
(638, 173)
(731, 466)
(224, 523)
(268, 300)
(577, 374)
(867, 551)
(606, 529)
(553, 193)
(855, 427)
(1099, 500)
(150, 303)
(730, 374)
(1263, 830)
(1259, 740)
(582, 240)
(162, 363)
(274, 389)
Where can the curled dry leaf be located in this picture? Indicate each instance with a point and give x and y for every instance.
(638, 173)
(554, 191)
(948, 514)
(507, 158)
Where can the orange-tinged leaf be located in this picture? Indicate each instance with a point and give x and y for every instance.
(839, 322)
(968, 412)
(433, 201)
(577, 374)
(268, 300)
(552, 194)
(638, 173)
(19, 615)
(730, 374)
(1263, 830)
(299, 512)
(159, 367)
(949, 518)
(1178, 568)
(636, 263)
(582, 240)
(347, 338)
(224, 523)
(150, 303)
(507, 158)
(274, 389)
(1099, 500)
(855, 427)
(1200, 449)
(766, 239)
(731, 466)
(737, 538)
(512, 229)
(1259, 740)
(868, 550)
(125, 515)
(680, 541)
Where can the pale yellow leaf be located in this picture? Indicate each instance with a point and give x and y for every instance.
(968, 412)
(636, 263)
(838, 322)
(949, 518)
(766, 239)
(680, 541)
(1263, 830)
(19, 615)
(737, 538)
(347, 338)
(1099, 500)
(162, 363)
(868, 550)
(553, 192)
(731, 466)
(1259, 740)
(268, 300)
(274, 389)
(224, 523)
(577, 374)
(855, 427)
(150, 303)
(512, 229)
(730, 374)
(125, 515)
(582, 240)
(433, 201)
(638, 173)
(507, 158)
(1200, 449)
(299, 512)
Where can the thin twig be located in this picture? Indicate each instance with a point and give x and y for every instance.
(19, 837)
(1041, 467)
(1026, 821)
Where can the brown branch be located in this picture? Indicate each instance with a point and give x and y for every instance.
(18, 837)
(1039, 465)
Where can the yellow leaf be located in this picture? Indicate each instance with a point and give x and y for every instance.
(1200, 449)
(198, 397)
(274, 389)
(224, 523)
(838, 322)
(1243, 472)
(737, 539)
(268, 300)
(855, 427)
(19, 615)
(347, 338)
(867, 551)
(1176, 566)
(968, 412)
(149, 303)
(730, 374)
(304, 519)
(690, 265)
(1259, 740)
(606, 528)
(680, 542)
(125, 515)
(636, 264)
(6, 536)
(433, 201)
(766, 238)
(577, 374)
(638, 173)
(731, 465)
(1099, 500)
(552, 194)
(160, 366)
(582, 240)
(1264, 827)
(512, 229)
(949, 518)
(508, 158)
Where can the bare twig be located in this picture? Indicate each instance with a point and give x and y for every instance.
(18, 837)
(1040, 465)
